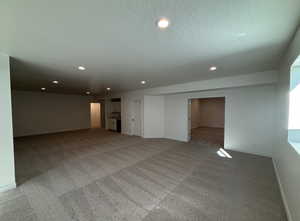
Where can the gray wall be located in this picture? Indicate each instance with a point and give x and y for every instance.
(7, 167)
(41, 113)
(286, 158)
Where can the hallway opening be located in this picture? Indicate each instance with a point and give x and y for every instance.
(207, 120)
(95, 115)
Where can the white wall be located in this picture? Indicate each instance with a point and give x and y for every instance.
(249, 117)
(249, 111)
(212, 112)
(126, 111)
(208, 112)
(41, 113)
(261, 78)
(7, 166)
(154, 116)
(195, 113)
(286, 158)
(152, 113)
(245, 80)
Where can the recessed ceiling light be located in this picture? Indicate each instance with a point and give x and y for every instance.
(87, 92)
(143, 82)
(108, 88)
(213, 68)
(163, 23)
(81, 68)
(55, 82)
(43, 89)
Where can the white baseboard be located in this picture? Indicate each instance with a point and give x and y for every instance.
(288, 213)
(7, 187)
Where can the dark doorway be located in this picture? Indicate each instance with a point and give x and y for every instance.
(208, 120)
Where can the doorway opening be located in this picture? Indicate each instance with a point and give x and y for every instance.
(95, 115)
(207, 120)
(114, 115)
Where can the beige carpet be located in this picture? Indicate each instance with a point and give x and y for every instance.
(209, 135)
(98, 175)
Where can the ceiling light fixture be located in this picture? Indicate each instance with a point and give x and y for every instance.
(81, 68)
(213, 68)
(43, 88)
(108, 88)
(143, 82)
(55, 82)
(163, 23)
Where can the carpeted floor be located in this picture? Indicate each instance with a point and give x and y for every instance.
(210, 135)
(97, 175)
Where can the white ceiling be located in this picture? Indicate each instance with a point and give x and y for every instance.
(120, 45)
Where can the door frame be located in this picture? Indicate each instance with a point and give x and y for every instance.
(189, 128)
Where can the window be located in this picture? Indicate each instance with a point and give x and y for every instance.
(294, 106)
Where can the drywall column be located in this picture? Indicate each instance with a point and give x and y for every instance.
(154, 116)
(7, 167)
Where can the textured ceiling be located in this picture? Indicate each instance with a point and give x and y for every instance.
(119, 44)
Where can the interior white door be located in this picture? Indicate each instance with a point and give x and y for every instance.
(95, 115)
(136, 118)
